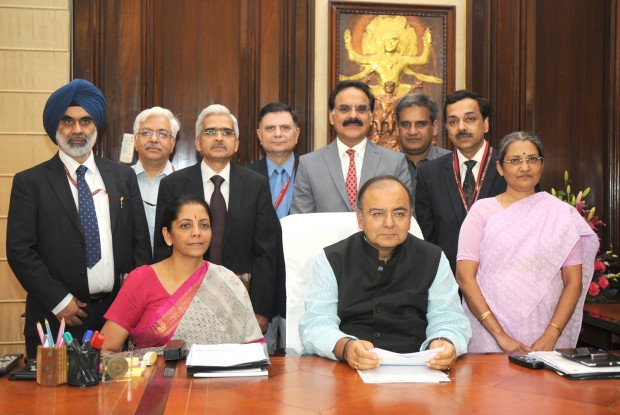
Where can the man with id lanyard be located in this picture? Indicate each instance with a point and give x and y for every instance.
(76, 223)
(449, 185)
(278, 132)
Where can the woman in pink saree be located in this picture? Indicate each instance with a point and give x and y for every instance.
(525, 260)
(182, 297)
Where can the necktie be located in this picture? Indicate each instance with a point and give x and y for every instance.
(88, 218)
(469, 184)
(351, 179)
(218, 220)
(280, 179)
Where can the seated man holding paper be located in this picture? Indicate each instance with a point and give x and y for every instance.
(383, 287)
(182, 297)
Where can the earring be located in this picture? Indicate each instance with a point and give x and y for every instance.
(169, 243)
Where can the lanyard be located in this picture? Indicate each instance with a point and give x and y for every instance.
(74, 183)
(284, 189)
(482, 172)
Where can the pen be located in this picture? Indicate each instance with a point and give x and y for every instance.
(49, 333)
(97, 341)
(61, 330)
(86, 340)
(41, 335)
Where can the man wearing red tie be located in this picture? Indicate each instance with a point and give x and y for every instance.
(328, 179)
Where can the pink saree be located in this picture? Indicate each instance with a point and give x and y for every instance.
(522, 251)
(211, 307)
(164, 322)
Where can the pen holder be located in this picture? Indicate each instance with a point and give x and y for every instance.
(51, 366)
(83, 367)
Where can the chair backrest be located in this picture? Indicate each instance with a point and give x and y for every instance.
(303, 237)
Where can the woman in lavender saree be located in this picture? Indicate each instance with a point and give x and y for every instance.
(182, 297)
(525, 260)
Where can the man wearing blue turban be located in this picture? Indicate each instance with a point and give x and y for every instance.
(76, 224)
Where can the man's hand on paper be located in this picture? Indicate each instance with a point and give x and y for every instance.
(359, 355)
(443, 360)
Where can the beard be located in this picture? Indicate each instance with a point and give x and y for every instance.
(76, 150)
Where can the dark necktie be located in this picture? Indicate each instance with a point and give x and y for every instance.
(277, 188)
(351, 179)
(218, 220)
(88, 218)
(469, 184)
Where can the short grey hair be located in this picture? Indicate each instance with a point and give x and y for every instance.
(518, 136)
(215, 109)
(175, 125)
(417, 100)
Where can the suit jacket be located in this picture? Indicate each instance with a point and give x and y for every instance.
(45, 243)
(252, 236)
(260, 166)
(439, 208)
(320, 185)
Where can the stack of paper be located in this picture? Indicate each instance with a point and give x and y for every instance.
(574, 370)
(227, 360)
(402, 368)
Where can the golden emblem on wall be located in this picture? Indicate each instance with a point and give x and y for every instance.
(389, 53)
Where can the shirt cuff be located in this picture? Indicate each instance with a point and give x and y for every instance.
(61, 305)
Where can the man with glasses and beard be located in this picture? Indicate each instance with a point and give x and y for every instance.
(76, 223)
(328, 179)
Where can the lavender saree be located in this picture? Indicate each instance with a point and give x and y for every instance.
(521, 252)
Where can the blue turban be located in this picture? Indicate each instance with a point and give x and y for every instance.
(79, 93)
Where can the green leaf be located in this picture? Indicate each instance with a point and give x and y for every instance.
(586, 192)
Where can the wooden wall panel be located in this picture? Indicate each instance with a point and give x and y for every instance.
(551, 67)
(187, 55)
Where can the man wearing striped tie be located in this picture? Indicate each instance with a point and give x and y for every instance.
(278, 131)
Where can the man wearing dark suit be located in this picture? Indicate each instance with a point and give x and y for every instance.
(327, 179)
(246, 231)
(278, 132)
(449, 185)
(69, 268)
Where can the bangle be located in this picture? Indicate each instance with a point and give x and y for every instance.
(555, 326)
(484, 315)
(344, 350)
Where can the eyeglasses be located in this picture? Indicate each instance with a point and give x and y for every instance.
(346, 109)
(226, 132)
(162, 135)
(529, 160)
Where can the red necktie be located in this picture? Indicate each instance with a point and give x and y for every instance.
(217, 206)
(351, 179)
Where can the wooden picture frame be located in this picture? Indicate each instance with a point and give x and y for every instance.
(387, 44)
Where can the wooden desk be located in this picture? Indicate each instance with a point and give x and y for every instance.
(601, 326)
(482, 384)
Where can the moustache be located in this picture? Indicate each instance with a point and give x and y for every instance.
(463, 134)
(77, 137)
(219, 145)
(351, 121)
(153, 146)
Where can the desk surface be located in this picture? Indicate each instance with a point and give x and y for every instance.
(481, 384)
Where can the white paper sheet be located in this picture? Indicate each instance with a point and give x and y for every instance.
(403, 374)
(406, 359)
(225, 355)
(257, 371)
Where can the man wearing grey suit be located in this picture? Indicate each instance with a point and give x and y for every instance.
(327, 179)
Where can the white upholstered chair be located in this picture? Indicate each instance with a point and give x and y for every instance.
(303, 237)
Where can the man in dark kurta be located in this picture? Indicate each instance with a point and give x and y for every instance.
(383, 287)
